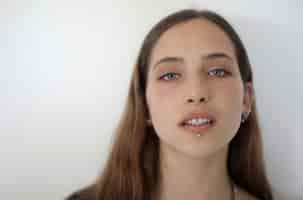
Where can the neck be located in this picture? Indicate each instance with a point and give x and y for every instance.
(185, 177)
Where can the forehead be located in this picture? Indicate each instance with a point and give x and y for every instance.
(194, 37)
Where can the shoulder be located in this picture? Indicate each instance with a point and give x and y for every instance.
(86, 193)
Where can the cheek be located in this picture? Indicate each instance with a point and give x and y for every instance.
(233, 96)
(162, 103)
(232, 92)
(231, 103)
(161, 95)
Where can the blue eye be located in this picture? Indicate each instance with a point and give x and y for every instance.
(172, 76)
(168, 76)
(225, 73)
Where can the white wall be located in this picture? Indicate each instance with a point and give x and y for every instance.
(64, 72)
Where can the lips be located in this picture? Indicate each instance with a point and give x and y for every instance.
(197, 115)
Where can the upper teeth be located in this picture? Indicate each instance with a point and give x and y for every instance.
(198, 121)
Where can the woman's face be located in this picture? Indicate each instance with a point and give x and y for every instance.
(201, 63)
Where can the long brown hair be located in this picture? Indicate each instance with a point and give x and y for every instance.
(132, 169)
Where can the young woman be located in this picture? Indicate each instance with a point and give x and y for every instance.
(190, 128)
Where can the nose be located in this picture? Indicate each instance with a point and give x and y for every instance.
(193, 100)
(198, 92)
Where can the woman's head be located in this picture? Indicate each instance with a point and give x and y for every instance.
(192, 60)
(195, 47)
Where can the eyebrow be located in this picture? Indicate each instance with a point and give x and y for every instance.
(206, 57)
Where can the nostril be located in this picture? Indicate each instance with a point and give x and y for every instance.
(202, 99)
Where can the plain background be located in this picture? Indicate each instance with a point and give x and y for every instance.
(65, 68)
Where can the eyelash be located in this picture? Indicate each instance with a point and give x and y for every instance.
(226, 74)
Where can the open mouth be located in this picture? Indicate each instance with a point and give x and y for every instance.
(197, 128)
(198, 124)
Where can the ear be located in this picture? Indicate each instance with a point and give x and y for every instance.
(249, 97)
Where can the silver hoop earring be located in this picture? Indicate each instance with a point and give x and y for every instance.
(244, 117)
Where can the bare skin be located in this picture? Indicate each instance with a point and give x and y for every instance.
(195, 168)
